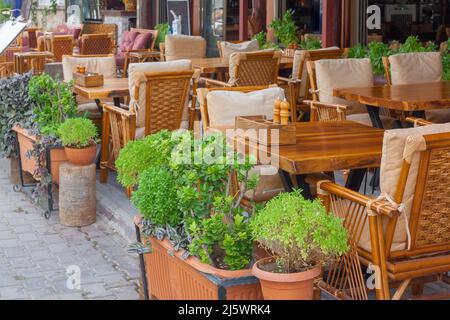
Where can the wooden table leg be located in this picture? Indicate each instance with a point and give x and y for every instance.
(355, 179)
(301, 182)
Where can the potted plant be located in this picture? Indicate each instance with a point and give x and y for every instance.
(53, 103)
(78, 138)
(285, 30)
(302, 236)
(196, 237)
(163, 31)
(15, 108)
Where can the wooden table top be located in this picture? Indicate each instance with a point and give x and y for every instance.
(112, 88)
(330, 146)
(212, 65)
(408, 97)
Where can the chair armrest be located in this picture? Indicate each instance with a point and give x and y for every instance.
(381, 207)
(214, 83)
(418, 122)
(289, 80)
(121, 111)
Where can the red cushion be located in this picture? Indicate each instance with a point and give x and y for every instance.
(128, 40)
(142, 41)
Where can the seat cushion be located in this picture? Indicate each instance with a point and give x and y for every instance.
(142, 41)
(299, 55)
(391, 164)
(135, 71)
(343, 73)
(419, 67)
(224, 106)
(184, 47)
(104, 65)
(228, 47)
(127, 42)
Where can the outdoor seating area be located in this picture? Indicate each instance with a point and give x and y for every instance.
(279, 163)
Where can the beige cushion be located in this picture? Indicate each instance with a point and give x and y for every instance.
(184, 47)
(343, 73)
(228, 47)
(417, 67)
(298, 56)
(225, 106)
(237, 57)
(135, 71)
(103, 65)
(391, 165)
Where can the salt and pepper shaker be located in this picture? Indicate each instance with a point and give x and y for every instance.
(277, 111)
(284, 112)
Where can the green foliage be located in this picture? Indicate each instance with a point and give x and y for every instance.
(299, 232)
(156, 197)
(138, 155)
(285, 29)
(378, 50)
(446, 65)
(16, 107)
(77, 133)
(412, 44)
(163, 30)
(54, 103)
(263, 43)
(4, 8)
(357, 52)
(311, 44)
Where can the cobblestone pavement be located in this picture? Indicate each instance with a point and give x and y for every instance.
(37, 254)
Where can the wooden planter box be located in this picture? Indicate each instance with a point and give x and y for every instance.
(169, 277)
(57, 155)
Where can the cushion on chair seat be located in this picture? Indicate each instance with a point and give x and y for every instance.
(438, 116)
(343, 73)
(229, 48)
(127, 42)
(364, 118)
(142, 41)
(184, 47)
(224, 106)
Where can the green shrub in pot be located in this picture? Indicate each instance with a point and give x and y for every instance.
(302, 236)
(378, 50)
(285, 29)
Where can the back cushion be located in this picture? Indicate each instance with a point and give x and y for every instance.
(417, 67)
(225, 106)
(184, 47)
(128, 40)
(142, 41)
(228, 47)
(343, 73)
(135, 71)
(103, 65)
(391, 163)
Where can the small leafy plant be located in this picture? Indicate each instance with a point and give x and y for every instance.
(299, 233)
(263, 43)
(378, 50)
(285, 29)
(357, 52)
(311, 44)
(54, 103)
(163, 30)
(77, 133)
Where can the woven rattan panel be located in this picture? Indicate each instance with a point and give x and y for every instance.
(257, 72)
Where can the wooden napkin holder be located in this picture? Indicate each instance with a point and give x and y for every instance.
(88, 79)
(287, 133)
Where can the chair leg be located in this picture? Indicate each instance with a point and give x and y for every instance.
(401, 290)
(105, 146)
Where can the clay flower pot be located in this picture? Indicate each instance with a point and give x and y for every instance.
(286, 286)
(81, 157)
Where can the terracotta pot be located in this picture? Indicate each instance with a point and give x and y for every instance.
(170, 277)
(286, 286)
(57, 155)
(81, 157)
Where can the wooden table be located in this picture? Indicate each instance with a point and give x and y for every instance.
(415, 98)
(327, 147)
(24, 61)
(114, 88)
(217, 65)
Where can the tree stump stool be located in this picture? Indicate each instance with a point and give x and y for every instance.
(77, 201)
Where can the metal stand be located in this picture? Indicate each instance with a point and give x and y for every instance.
(23, 187)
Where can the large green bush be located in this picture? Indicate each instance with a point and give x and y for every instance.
(300, 233)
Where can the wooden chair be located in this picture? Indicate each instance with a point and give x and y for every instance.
(418, 122)
(425, 253)
(101, 28)
(324, 112)
(150, 48)
(101, 43)
(7, 61)
(154, 36)
(176, 47)
(238, 46)
(60, 46)
(298, 84)
(250, 69)
(26, 61)
(166, 96)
